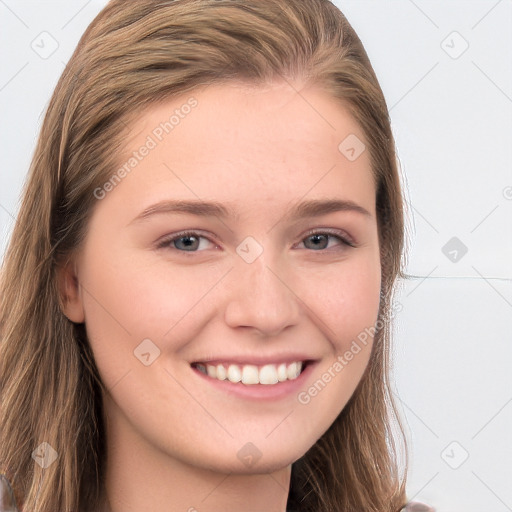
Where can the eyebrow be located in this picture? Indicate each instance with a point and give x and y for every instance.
(311, 208)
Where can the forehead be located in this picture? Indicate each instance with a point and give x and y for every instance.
(257, 145)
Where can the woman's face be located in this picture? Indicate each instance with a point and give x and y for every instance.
(280, 265)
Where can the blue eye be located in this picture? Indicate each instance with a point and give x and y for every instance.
(192, 241)
(186, 242)
(320, 240)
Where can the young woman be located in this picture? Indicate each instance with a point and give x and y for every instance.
(195, 301)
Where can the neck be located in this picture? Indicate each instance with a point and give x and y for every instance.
(139, 477)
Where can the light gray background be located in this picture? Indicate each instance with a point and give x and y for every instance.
(451, 110)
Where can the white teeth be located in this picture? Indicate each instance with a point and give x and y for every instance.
(268, 374)
(234, 373)
(251, 374)
(222, 374)
(293, 370)
(282, 374)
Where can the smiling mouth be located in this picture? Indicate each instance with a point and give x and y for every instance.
(249, 374)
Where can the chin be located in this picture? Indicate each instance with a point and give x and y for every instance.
(249, 460)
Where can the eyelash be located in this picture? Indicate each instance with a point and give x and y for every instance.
(341, 236)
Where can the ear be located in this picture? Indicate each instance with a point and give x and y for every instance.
(70, 293)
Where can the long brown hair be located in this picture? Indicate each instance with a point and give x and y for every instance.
(133, 54)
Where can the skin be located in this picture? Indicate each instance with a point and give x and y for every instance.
(172, 437)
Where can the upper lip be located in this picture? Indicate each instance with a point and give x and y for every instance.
(255, 360)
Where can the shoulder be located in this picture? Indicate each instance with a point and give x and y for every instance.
(416, 506)
(7, 500)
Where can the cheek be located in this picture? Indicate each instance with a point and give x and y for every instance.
(346, 299)
(345, 305)
(127, 300)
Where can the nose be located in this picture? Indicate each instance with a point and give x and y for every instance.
(261, 298)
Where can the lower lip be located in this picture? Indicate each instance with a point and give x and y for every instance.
(261, 391)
